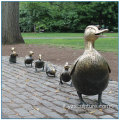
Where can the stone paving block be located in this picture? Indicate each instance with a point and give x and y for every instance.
(43, 109)
(30, 117)
(23, 97)
(35, 98)
(97, 112)
(14, 105)
(22, 112)
(109, 110)
(60, 110)
(18, 100)
(47, 103)
(7, 111)
(58, 97)
(106, 117)
(60, 103)
(14, 92)
(87, 116)
(28, 107)
(4, 105)
(13, 116)
(37, 114)
(115, 115)
(40, 89)
(47, 98)
(50, 94)
(32, 102)
(4, 116)
(53, 115)
(5, 99)
(70, 115)
(29, 89)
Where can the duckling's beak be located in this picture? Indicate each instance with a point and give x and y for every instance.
(101, 31)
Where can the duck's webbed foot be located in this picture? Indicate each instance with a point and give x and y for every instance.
(43, 69)
(60, 83)
(81, 99)
(35, 69)
(82, 103)
(100, 103)
(71, 84)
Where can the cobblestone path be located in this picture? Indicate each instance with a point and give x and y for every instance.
(26, 94)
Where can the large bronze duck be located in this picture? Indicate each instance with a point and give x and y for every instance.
(13, 56)
(29, 59)
(65, 75)
(39, 63)
(90, 72)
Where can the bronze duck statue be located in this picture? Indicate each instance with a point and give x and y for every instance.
(29, 59)
(13, 56)
(90, 72)
(65, 75)
(50, 70)
(39, 63)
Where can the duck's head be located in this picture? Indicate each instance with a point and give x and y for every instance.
(66, 66)
(92, 32)
(31, 53)
(40, 56)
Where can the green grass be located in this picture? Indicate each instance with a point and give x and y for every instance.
(52, 34)
(63, 34)
(103, 44)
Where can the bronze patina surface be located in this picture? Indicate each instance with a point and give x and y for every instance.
(29, 59)
(65, 75)
(39, 63)
(90, 72)
(50, 70)
(13, 56)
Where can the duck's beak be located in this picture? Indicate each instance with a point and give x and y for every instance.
(101, 31)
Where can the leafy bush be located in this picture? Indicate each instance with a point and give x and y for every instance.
(67, 16)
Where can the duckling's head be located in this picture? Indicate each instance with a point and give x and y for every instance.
(40, 56)
(92, 32)
(66, 66)
(53, 70)
(12, 49)
(31, 53)
(14, 53)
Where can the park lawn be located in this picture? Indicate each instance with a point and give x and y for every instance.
(63, 34)
(52, 35)
(102, 44)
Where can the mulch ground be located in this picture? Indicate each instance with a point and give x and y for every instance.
(59, 55)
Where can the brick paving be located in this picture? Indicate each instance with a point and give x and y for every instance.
(26, 94)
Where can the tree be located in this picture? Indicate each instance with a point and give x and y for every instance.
(10, 23)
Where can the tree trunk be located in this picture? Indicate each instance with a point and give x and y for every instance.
(10, 23)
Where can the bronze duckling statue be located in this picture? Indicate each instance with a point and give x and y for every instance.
(39, 63)
(90, 72)
(50, 70)
(13, 56)
(29, 59)
(65, 75)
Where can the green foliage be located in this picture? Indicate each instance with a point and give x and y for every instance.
(74, 40)
(67, 16)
